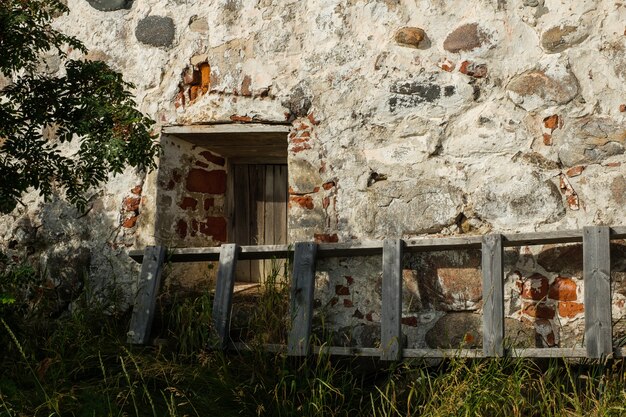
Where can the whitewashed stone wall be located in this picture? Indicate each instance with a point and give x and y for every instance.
(409, 118)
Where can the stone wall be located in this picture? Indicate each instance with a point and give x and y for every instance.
(408, 118)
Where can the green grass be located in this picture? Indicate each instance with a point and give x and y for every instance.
(79, 365)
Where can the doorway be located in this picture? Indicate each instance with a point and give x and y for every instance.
(259, 215)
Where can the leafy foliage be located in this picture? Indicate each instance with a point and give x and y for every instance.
(90, 109)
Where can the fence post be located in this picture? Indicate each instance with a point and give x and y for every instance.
(493, 295)
(145, 299)
(391, 319)
(302, 285)
(597, 278)
(224, 292)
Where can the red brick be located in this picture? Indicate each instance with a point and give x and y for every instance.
(342, 290)
(188, 202)
(325, 202)
(575, 171)
(369, 317)
(245, 86)
(410, 321)
(181, 228)
(535, 287)
(551, 122)
(349, 279)
(208, 203)
(622, 108)
(193, 92)
(242, 119)
(326, 238)
(131, 203)
(303, 201)
(300, 148)
(312, 119)
(217, 160)
(570, 309)
(347, 303)
(446, 65)
(473, 70)
(215, 227)
(538, 310)
(130, 222)
(328, 185)
(136, 190)
(202, 164)
(563, 289)
(205, 76)
(547, 139)
(209, 182)
(180, 100)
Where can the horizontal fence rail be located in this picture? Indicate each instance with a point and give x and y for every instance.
(596, 276)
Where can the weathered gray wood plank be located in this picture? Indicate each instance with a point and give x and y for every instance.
(390, 326)
(223, 300)
(222, 128)
(549, 353)
(597, 277)
(302, 285)
(493, 295)
(145, 299)
(371, 248)
(542, 238)
(442, 353)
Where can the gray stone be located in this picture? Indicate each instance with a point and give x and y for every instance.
(552, 85)
(198, 24)
(389, 208)
(155, 31)
(518, 197)
(110, 5)
(412, 93)
(464, 330)
(465, 38)
(590, 140)
(303, 177)
(559, 38)
(362, 335)
(298, 103)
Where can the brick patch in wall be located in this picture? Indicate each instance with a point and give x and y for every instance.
(208, 182)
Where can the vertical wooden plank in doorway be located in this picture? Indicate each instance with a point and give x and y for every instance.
(242, 217)
(280, 211)
(269, 214)
(257, 210)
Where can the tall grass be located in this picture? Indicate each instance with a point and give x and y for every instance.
(79, 365)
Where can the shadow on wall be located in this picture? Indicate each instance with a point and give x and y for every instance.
(77, 253)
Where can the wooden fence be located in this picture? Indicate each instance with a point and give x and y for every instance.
(596, 275)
